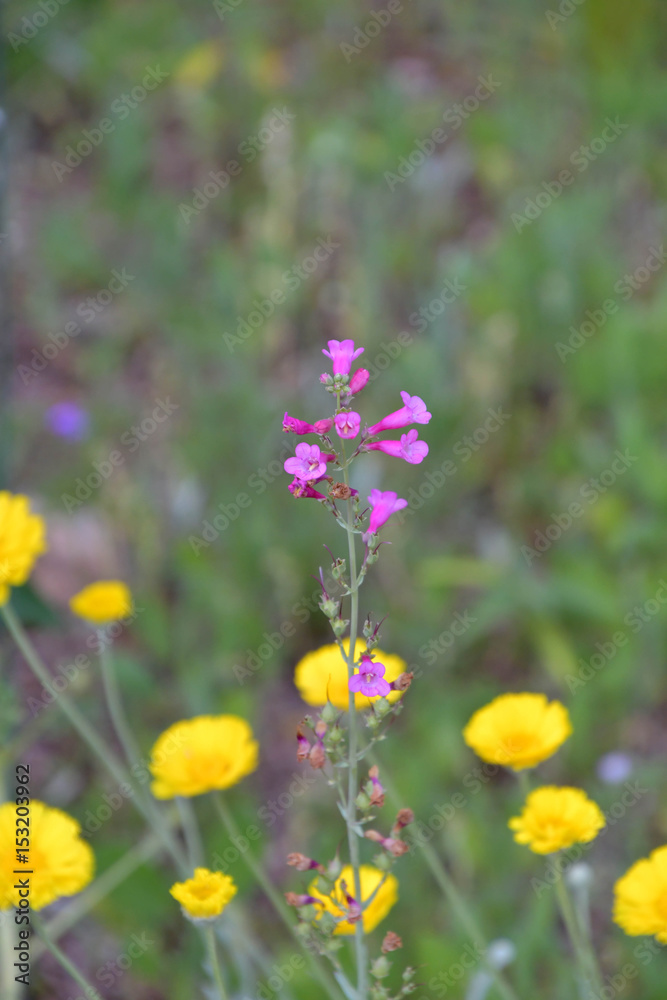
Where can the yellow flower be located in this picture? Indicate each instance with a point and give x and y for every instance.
(205, 895)
(21, 541)
(370, 878)
(60, 861)
(202, 754)
(322, 674)
(554, 818)
(518, 730)
(640, 897)
(102, 602)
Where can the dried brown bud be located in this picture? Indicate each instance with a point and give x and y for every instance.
(300, 862)
(404, 817)
(299, 899)
(373, 835)
(317, 756)
(392, 942)
(395, 846)
(403, 681)
(374, 771)
(339, 491)
(320, 728)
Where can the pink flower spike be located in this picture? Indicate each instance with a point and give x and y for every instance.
(309, 463)
(409, 447)
(293, 426)
(358, 381)
(383, 506)
(370, 679)
(299, 489)
(347, 424)
(413, 411)
(342, 353)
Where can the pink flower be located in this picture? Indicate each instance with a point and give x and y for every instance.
(409, 447)
(294, 426)
(370, 679)
(299, 489)
(347, 424)
(358, 381)
(413, 411)
(383, 506)
(309, 463)
(342, 353)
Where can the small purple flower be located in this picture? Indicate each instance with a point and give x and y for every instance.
(370, 679)
(409, 447)
(614, 768)
(309, 463)
(348, 424)
(383, 506)
(68, 420)
(299, 489)
(342, 353)
(413, 411)
(358, 381)
(294, 426)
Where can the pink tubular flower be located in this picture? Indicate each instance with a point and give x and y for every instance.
(347, 424)
(383, 506)
(342, 353)
(358, 381)
(299, 489)
(370, 679)
(309, 464)
(409, 447)
(413, 411)
(294, 426)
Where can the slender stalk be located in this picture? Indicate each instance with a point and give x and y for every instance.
(455, 900)
(591, 979)
(524, 783)
(89, 734)
(209, 935)
(271, 892)
(191, 832)
(60, 956)
(115, 705)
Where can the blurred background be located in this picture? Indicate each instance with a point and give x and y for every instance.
(484, 186)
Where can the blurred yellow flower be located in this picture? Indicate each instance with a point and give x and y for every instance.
(60, 861)
(322, 675)
(22, 539)
(640, 897)
(201, 64)
(205, 895)
(554, 818)
(102, 602)
(377, 909)
(518, 730)
(202, 754)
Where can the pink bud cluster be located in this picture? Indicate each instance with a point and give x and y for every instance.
(309, 466)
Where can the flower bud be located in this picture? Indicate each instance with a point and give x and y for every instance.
(329, 713)
(339, 626)
(363, 803)
(404, 818)
(381, 707)
(392, 942)
(329, 608)
(336, 734)
(358, 381)
(403, 681)
(317, 756)
(380, 967)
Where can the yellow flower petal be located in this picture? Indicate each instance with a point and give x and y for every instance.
(102, 602)
(202, 754)
(377, 909)
(640, 897)
(22, 540)
(205, 895)
(555, 818)
(518, 730)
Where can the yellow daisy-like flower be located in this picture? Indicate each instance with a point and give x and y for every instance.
(103, 602)
(518, 730)
(322, 675)
(22, 540)
(202, 754)
(370, 878)
(640, 897)
(205, 895)
(61, 863)
(555, 818)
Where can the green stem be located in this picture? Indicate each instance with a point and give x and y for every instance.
(90, 736)
(209, 935)
(60, 956)
(454, 899)
(591, 979)
(191, 833)
(270, 891)
(115, 706)
(524, 782)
